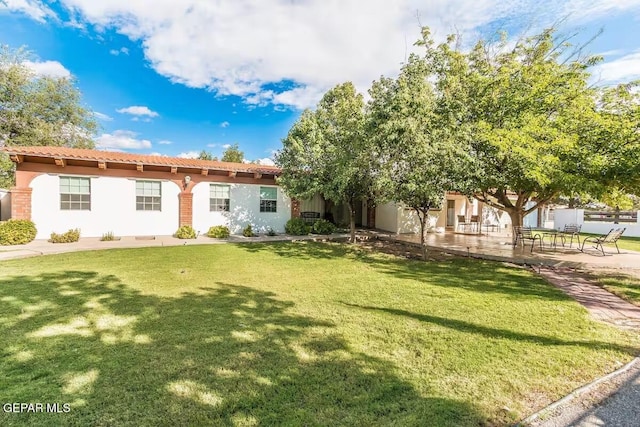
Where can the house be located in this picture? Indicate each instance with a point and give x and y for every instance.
(60, 188)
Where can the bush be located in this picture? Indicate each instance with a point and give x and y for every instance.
(70, 236)
(218, 232)
(108, 237)
(271, 232)
(248, 231)
(297, 227)
(17, 232)
(324, 227)
(185, 232)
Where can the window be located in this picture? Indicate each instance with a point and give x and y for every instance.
(268, 199)
(75, 194)
(148, 195)
(218, 198)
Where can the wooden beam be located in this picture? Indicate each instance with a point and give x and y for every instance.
(60, 162)
(232, 174)
(204, 172)
(17, 158)
(174, 170)
(257, 175)
(102, 165)
(140, 167)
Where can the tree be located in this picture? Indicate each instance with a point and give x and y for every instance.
(326, 152)
(38, 110)
(205, 155)
(420, 159)
(233, 154)
(534, 121)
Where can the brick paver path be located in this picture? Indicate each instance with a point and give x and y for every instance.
(602, 304)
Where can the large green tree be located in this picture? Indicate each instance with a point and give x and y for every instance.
(421, 156)
(327, 152)
(536, 124)
(233, 154)
(38, 110)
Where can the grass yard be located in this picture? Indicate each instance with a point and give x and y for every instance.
(626, 286)
(289, 334)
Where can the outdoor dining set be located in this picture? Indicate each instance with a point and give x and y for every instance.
(524, 234)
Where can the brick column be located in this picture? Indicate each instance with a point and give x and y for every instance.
(371, 214)
(186, 209)
(295, 208)
(21, 203)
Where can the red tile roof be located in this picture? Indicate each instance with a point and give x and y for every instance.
(120, 157)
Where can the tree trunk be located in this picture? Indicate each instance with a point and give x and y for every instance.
(423, 229)
(352, 222)
(517, 216)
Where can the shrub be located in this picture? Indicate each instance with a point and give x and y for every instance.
(248, 231)
(70, 236)
(17, 232)
(108, 237)
(218, 232)
(185, 232)
(324, 227)
(271, 232)
(297, 227)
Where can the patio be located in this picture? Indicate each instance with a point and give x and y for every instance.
(498, 247)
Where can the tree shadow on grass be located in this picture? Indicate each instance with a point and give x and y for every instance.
(225, 355)
(468, 274)
(497, 333)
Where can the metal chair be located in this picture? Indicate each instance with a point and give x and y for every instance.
(524, 233)
(598, 241)
(570, 230)
(462, 221)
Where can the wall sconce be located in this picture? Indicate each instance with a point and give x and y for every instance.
(187, 180)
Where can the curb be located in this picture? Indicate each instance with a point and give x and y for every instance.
(577, 392)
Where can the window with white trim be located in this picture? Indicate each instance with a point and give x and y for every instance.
(268, 199)
(148, 195)
(218, 198)
(75, 193)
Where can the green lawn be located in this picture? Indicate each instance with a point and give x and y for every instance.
(289, 334)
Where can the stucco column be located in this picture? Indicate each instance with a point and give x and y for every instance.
(295, 208)
(185, 208)
(21, 203)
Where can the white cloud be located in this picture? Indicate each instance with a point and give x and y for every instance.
(266, 162)
(48, 68)
(138, 110)
(251, 48)
(102, 116)
(117, 52)
(32, 8)
(189, 155)
(225, 146)
(621, 69)
(165, 142)
(155, 153)
(121, 140)
(224, 124)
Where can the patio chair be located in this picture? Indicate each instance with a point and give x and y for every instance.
(475, 222)
(598, 241)
(462, 221)
(524, 233)
(570, 230)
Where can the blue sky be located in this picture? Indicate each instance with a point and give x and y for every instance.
(178, 76)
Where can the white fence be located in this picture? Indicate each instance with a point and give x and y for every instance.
(576, 216)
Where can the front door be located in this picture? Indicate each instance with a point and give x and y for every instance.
(451, 213)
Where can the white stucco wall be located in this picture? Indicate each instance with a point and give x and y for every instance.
(113, 208)
(387, 217)
(576, 216)
(244, 201)
(5, 205)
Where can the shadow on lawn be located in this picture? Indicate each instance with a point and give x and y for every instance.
(226, 355)
(462, 326)
(469, 274)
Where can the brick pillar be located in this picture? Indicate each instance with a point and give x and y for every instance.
(295, 208)
(371, 214)
(21, 203)
(186, 209)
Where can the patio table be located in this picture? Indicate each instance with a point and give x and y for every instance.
(552, 233)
